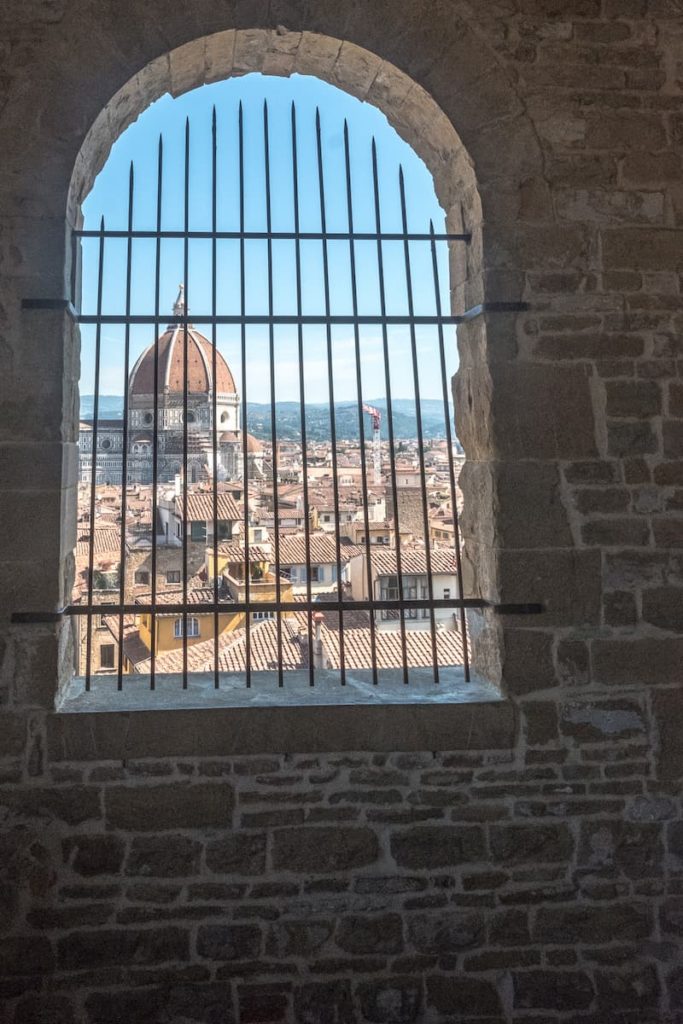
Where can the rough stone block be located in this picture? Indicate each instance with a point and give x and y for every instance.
(299, 938)
(395, 1000)
(432, 847)
(161, 808)
(663, 607)
(542, 412)
(108, 947)
(26, 955)
(569, 924)
(540, 719)
(567, 583)
(229, 942)
(163, 857)
(324, 1001)
(323, 850)
(446, 931)
(514, 844)
(598, 721)
(638, 661)
(461, 995)
(641, 248)
(628, 989)
(669, 718)
(93, 855)
(238, 854)
(72, 805)
(552, 990)
(633, 849)
(376, 934)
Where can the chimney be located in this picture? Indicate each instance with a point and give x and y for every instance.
(318, 649)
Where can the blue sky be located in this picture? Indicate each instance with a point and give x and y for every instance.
(109, 198)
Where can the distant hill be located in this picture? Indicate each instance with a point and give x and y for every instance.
(288, 418)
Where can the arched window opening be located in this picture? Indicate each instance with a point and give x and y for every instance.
(310, 517)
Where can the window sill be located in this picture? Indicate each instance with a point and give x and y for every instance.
(201, 721)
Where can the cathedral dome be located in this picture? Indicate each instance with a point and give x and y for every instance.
(171, 361)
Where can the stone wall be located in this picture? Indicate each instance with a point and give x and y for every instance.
(539, 881)
(471, 885)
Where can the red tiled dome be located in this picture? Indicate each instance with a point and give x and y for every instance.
(170, 377)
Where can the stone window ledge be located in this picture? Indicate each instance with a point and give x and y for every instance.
(201, 721)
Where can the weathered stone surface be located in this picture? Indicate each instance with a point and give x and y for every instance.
(153, 808)
(633, 849)
(390, 1001)
(163, 857)
(299, 938)
(229, 942)
(462, 996)
(634, 987)
(541, 722)
(322, 850)
(641, 661)
(93, 855)
(566, 925)
(598, 720)
(72, 805)
(445, 931)
(426, 847)
(552, 990)
(239, 854)
(25, 955)
(512, 844)
(375, 934)
(44, 1009)
(324, 1002)
(103, 948)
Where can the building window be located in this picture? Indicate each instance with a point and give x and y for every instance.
(198, 531)
(192, 628)
(224, 529)
(107, 655)
(266, 366)
(142, 577)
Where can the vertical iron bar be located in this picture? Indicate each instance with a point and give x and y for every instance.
(451, 471)
(245, 436)
(124, 457)
(390, 414)
(273, 427)
(186, 245)
(155, 459)
(418, 415)
(93, 486)
(214, 393)
(302, 395)
(359, 388)
(330, 374)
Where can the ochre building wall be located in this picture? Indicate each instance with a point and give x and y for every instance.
(530, 873)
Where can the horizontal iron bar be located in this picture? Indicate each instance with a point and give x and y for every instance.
(63, 304)
(208, 607)
(304, 236)
(495, 307)
(281, 320)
